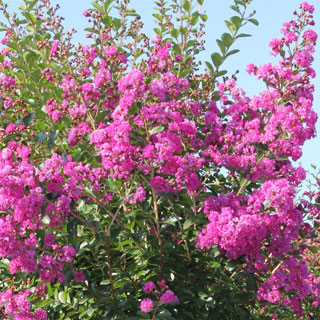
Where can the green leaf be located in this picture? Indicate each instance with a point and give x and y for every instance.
(83, 300)
(28, 119)
(232, 265)
(62, 297)
(190, 43)
(158, 16)
(90, 311)
(185, 72)
(52, 139)
(131, 12)
(105, 282)
(242, 35)
(170, 221)
(19, 22)
(221, 73)
(157, 31)
(50, 290)
(261, 146)
(182, 30)
(187, 224)
(39, 53)
(98, 7)
(29, 17)
(200, 2)
(236, 21)
(31, 4)
(254, 21)
(209, 66)
(41, 126)
(214, 252)
(165, 313)
(36, 75)
(117, 23)
(25, 41)
(91, 30)
(114, 185)
(313, 249)
(230, 26)
(204, 17)
(121, 283)
(232, 52)
(194, 18)
(5, 262)
(44, 303)
(216, 59)
(302, 234)
(174, 33)
(28, 56)
(281, 158)
(143, 315)
(227, 39)
(221, 46)
(21, 7)
(41, 115)
(241, 2)
(214, 264)
(107, 20)
(125, 243)
(235, 8)
(186, 5)
(156, 130)
(107, 3)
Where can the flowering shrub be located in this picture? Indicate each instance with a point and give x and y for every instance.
(134, 186)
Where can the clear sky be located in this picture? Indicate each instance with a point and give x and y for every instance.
(270, 13)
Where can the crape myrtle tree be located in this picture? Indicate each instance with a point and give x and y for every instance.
(135, 186)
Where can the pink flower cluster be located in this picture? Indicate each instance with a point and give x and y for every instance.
(162, 295)
(19, 307)
(22, 199)
(292, 276)
(258, 137)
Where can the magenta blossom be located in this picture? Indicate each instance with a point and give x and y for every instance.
(146, 305)
(149, 287)
(169, 297)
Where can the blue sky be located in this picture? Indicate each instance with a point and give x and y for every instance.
(270, 13)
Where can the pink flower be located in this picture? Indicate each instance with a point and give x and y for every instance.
(111, 51)
(55, 115)
(40, 314)
(311, 36)
(54, 48)
(87, 87)
(10, 128)
(79, 276)
(149, 287)
(162, 283)
(169, 297)
(138, 196)
(307, 7)
(49, 240)
(68, 253)
(146, 305)
(41, 291)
